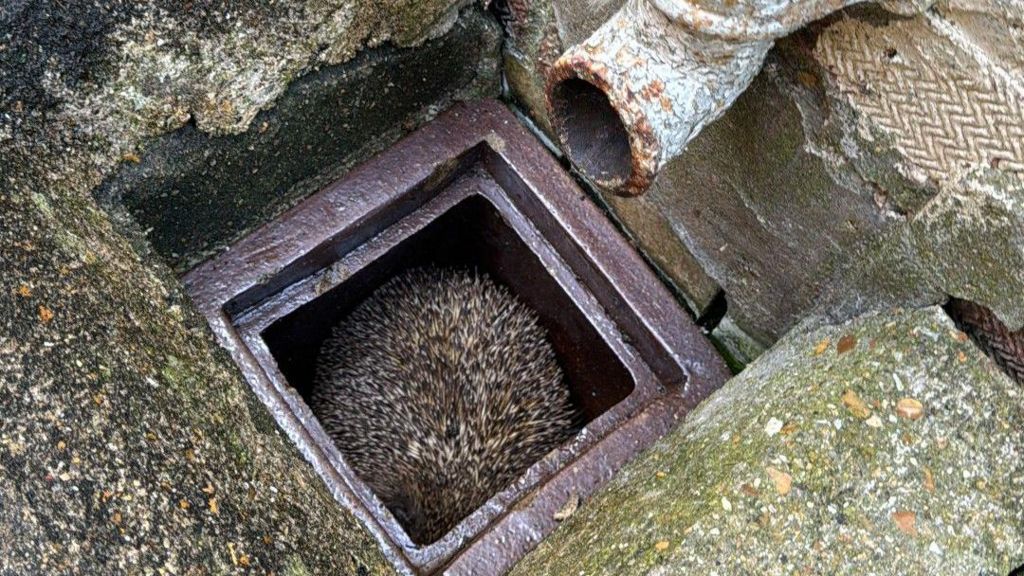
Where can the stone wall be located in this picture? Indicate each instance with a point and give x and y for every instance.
(804, 196)
(885, 445)
(873, 164)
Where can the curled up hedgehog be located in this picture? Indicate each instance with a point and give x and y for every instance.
(440, 389)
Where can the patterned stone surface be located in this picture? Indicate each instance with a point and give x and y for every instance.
(947, 96)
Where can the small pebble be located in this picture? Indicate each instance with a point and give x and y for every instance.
(773, 426)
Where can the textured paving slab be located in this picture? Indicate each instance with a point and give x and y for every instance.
(947, 93)
(887, 445)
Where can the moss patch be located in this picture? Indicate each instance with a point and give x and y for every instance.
(804, 464)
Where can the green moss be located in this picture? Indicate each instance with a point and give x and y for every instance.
(294, 566)
(848, 475)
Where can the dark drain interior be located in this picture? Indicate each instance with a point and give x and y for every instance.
(470, 235)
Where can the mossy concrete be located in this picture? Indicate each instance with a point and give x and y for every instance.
(813, 461)
(127, 67)
(194, 193)
(737, 344)
(129, 443)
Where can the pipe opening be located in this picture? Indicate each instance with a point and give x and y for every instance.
(592, 132)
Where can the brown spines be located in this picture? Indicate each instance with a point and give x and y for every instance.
(440, 389)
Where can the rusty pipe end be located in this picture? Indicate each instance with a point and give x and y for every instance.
(628, 99)
(616, 152)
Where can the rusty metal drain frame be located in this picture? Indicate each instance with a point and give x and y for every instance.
(472, 150)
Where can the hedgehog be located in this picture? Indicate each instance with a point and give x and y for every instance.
(440, 389)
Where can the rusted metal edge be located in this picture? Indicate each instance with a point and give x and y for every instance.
(374, 196)
(250, 327)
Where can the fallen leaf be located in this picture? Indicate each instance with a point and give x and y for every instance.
(909, 408)
(749, 490)
(783, 481)
(789, 428)
(183, 504)
(855, 404)
(929, 480)
(116, 518)
(961, 357)
(661, 545)
(845, 344)
(572, 503)
(131, 157)
(45, 314)
(24, 291)
(820, 348)
(660, 474)
(906, 521)
(213, 507)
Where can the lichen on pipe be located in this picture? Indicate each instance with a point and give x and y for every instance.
(630, 97)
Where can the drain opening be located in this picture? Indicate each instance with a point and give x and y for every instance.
(592, 132)
(470, 236)
(1005, 347)
(633, 361)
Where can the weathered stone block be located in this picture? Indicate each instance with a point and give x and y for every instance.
(889, 444)
(129, 444)
(195, 193)
(759, 211)
(967, 242)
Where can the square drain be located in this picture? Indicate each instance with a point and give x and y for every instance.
(472, 190)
